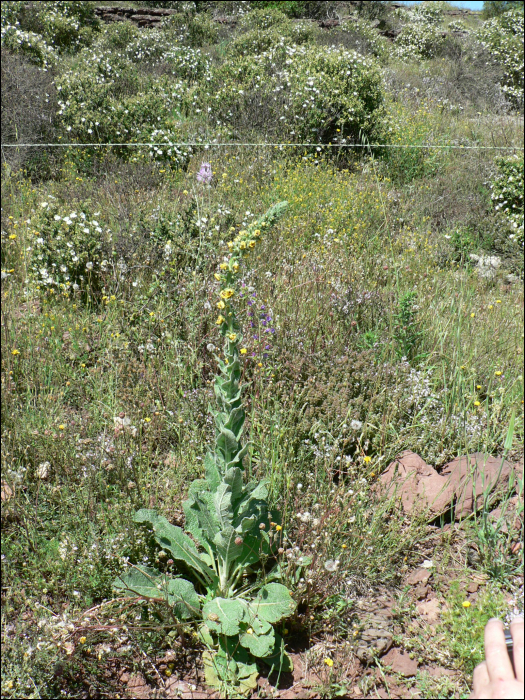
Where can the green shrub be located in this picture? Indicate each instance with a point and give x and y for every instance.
(202, 31)
(263, 18)
(418, 40)
(258, 40)
(507, 194)
(67, 250)
(104, 100)
(305, 93)
(366, 39)
(502, 36)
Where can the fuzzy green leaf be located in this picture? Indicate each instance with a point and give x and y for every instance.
(258, 645)
(226, 547)
(147, 582)
(224, 615)
(278, 658)
(222, 501)
(273, 602)
(180, 546)
(233, 477)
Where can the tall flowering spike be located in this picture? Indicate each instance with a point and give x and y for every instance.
(229, 416)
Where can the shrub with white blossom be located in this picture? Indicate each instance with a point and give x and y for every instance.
(507, 194)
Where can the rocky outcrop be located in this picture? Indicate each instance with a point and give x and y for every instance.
(461, 485)
(143, 17)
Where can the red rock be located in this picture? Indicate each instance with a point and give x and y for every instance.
(462, 482)
(503, 516)
(400, 662)
(137, 687)
(419, 575)
(420, 591)
(438, 671)
(429, 610)
(471, 476)
(418, 484)
(472, 587)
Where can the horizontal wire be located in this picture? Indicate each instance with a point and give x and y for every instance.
(263, 145)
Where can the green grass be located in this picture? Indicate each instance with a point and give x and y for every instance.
(105, 394)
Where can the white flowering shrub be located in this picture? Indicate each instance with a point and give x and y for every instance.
(502, 36)
(507, 194)
(263, 18)
(29, 44)
(306, 93)
(46, 29)
(67, 250)
(418, 40)
(368, 40)
(258, 40)
(103, 99)
(426, 13)
(458, 25)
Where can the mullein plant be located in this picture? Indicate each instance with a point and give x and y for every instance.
(222, 582)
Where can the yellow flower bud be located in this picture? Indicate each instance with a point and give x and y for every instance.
(223, 266)
(232, 337)
(217, 277)
(221, 305)
(242, 245)
(220, 320)
(251, 244)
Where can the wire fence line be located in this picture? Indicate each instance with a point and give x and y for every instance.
(319, 146)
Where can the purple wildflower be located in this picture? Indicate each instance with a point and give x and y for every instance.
(205, 174)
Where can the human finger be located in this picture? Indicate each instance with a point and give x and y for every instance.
(497, 659)
(480, 681)
(517, 630)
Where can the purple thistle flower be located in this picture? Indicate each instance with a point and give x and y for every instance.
(205, 174)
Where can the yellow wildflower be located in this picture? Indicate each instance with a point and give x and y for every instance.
(217, 277)
(227, 293)
(221, 304)
(477, 403)
(235, 267)
(243, 351)
(82, 640)
(232, 337)
(251, 244)
(278, 528)
(242, 245)
(257, 233)
(15, 352)
(220, 320)
(466, 604)
(223, 266)
(367, 460)
(12, 237)
(498, 373)
(61, 427)
(329, 663)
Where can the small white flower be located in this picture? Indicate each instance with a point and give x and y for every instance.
(331, 565)
(89, 266)
(43, 470)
